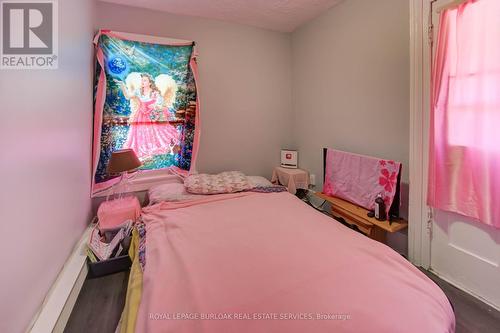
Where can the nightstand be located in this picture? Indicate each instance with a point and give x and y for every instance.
(293, 179)
(355, 215)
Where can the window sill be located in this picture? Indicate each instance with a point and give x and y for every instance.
(143, 181)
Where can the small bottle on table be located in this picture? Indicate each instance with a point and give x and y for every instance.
(380, 213)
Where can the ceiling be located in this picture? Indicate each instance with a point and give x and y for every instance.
(279, 15)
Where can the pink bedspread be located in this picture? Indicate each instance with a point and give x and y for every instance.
(259, 262)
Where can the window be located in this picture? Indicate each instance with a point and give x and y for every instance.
(473, 70)
(146, 100)
(464, 157)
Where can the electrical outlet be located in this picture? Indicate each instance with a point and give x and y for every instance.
(312, 179)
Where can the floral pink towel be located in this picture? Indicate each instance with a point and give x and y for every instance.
(359, 179)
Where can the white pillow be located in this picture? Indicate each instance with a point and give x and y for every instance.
(170, 192)
(258, 181)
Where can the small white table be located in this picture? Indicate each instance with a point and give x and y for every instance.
(293, 179)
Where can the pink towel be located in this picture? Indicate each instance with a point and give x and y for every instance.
(359, 179)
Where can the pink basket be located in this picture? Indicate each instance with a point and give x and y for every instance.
(114, 212)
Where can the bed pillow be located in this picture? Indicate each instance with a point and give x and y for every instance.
(225, 182)
(258, 181)
(170, 192)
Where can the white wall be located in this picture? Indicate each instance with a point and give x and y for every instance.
(351, 86)
(45, 136)
(351, 82)
(244, 85)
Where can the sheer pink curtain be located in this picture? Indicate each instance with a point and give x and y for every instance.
(464, 161)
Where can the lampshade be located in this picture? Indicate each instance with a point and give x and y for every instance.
(123, 160)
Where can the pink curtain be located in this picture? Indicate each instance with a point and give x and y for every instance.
(464, 160)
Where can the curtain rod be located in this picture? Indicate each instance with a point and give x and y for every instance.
(451, 5)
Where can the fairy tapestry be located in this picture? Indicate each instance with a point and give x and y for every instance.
(146, 100)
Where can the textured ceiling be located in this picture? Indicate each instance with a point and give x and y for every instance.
(280, 15)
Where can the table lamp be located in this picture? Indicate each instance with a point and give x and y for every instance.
(122, 162)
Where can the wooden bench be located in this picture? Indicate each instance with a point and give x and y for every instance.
(355, 215)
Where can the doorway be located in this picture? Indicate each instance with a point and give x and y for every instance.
(457, 249)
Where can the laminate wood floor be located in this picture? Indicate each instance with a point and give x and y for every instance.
(101, 300)
(99, 304)
(472, 315)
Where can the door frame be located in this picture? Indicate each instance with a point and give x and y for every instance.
(419, 215)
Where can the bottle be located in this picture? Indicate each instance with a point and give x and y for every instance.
(380, 208)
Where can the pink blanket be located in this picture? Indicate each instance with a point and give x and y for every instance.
(359, 179)
(259, 262)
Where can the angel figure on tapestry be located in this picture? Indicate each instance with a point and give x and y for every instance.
(151, 104)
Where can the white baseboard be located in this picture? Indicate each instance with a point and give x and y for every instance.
(61, 298)
(464, 289)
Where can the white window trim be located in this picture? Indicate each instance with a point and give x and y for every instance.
(143, 181)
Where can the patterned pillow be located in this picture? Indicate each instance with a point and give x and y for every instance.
(225, 182)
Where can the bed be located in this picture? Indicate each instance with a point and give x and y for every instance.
(268, 262)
